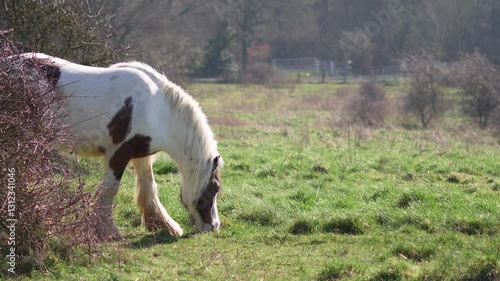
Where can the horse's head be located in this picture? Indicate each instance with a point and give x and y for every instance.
(203, 210)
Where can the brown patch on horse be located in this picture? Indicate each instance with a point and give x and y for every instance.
(101, 150)
(120, 124)
(136, 147)
(206, 202)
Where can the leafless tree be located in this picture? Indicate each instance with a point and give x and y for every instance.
(479, 81)
(248, 15)
(74, 30)
(134, 16)
(424, 87)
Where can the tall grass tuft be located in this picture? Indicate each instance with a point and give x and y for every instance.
(413, 252)
(303, 226)
(261, 216)
(336, 270)
(345, 225)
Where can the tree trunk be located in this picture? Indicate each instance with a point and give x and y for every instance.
(244, 57)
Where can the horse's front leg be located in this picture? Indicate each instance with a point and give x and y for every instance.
(115, 165)
(154, 215)
(103, 206)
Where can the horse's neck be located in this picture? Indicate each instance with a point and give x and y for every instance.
(190, 149)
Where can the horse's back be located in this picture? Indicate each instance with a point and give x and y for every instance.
(94, 96)
(91, 82)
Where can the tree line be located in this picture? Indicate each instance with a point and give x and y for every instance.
(367, 32)
(175, 35)
(438, 43)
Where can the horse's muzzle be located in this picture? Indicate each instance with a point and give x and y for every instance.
(215, 226)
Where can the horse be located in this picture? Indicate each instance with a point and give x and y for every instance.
(129, 112)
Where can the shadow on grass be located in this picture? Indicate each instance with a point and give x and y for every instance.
(149, 240)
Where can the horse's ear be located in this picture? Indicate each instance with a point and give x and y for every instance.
(205, 203)
(216, 162)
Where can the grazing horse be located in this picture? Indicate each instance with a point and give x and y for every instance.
(129, 112)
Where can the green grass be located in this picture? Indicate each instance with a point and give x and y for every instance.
(302, 200)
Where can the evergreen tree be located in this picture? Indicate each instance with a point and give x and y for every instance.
(217, 59)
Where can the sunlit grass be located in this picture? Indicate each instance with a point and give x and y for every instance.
(306, 202)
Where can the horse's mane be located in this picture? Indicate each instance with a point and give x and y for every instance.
(201, 146)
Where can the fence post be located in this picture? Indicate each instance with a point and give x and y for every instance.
(316, 65)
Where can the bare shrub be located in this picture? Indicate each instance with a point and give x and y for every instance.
(229, 121)
(45, 200)
(74, 30)
(479, 82)
(323, 102)
(496, 119)
(368, 106)
(261, 73)
(424, 87)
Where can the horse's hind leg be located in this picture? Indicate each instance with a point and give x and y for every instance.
(154, 215)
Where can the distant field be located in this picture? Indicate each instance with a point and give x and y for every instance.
(309, 196)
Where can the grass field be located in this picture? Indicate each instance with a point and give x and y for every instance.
(306, 196)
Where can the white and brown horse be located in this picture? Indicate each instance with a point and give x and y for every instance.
(128, 112)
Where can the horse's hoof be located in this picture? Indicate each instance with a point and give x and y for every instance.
(155, 224)
(174, 228)
(176, 232)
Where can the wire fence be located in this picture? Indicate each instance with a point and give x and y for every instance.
(312, 68)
